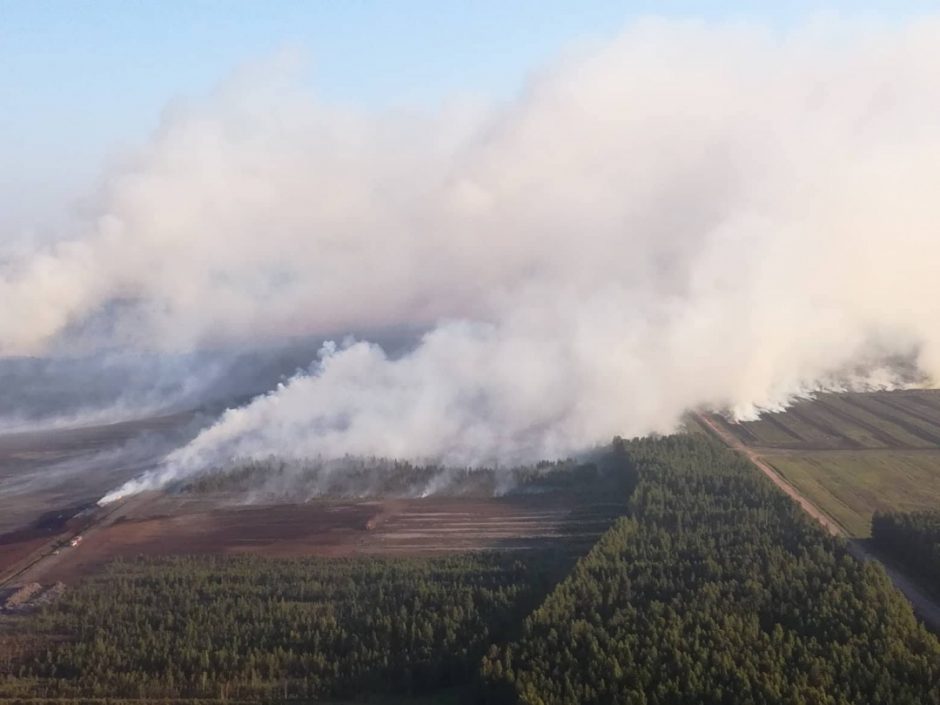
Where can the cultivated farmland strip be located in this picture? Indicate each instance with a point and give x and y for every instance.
(775, 421)
(915, 429)
(818, 422)
(926, 401)
(852, 419)
(884, 429)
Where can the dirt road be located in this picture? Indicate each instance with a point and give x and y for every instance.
(925, 606)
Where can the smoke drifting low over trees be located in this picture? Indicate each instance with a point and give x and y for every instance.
(689, 215)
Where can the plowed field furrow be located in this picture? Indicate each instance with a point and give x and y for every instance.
(856, 416)
(774, 420)
(928, 399)
(470, 521)
(815, 420)
(572, 547)
(508, 521)
(812, 435)
(848, 421)
(472, 536)
(908, 419)
(164, 525)
(458, 531)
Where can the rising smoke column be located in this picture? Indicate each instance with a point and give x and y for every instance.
(692, 215)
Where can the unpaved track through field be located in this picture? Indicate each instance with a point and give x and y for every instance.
(924, 605)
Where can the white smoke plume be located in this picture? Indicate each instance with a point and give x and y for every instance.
(691, 215)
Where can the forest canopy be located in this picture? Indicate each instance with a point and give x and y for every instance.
(713, 588)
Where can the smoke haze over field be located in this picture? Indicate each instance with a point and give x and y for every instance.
(691, 215)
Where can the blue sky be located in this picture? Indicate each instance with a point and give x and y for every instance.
(80, 79)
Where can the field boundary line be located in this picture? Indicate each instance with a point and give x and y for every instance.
(899, 421)
(879, 434)
(924, 605)
(775, 476)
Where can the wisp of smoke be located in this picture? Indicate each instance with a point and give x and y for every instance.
(691, 215)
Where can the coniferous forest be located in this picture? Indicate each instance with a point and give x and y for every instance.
(255, 628)
(713, 588)
(717, 589)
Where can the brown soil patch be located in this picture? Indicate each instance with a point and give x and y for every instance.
(172, 526)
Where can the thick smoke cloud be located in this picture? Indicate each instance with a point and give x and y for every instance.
(692, 215)
(69, 391)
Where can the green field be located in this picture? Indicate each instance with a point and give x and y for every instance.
(853, 454)
(851, 485)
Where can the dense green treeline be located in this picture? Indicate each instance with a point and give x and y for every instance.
(913, 538)
(248, 627)
(717, 590)
(713, 589)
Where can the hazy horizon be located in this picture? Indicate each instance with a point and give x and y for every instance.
(623, 220)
